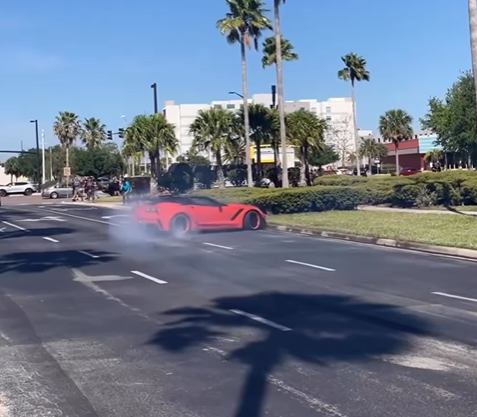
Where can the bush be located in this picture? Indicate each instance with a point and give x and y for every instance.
(178, 179)
(204, 175)
(406, 195)
(237, 176)
(309, 199)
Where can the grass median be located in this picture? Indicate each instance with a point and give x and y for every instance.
(436, 229)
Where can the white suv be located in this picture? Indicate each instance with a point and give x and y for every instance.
(25, 188)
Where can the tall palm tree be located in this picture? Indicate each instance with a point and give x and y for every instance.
(354, 70)
(395, 126)
(473, 38)
(280, 89)
(93, 133)
(261, 130)
(270, 51)
(67, 128)
(151, 134)
(306, 131)
(212, 130)
(243, 24)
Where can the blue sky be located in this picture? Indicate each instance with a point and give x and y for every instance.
(98, 58)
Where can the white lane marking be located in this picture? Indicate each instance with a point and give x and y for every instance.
(218, 246)
(261, 320)
(116, 215)
(88, 254)
(82, 277)
(84, 218)
(50, 239)
(457, 297)
(48, 218)
(312, 402)
(15, 226)
(2, 229)
(323, 268)
(143, 275)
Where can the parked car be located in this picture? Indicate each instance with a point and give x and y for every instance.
(180, 215)
(26, 188)
(57, 191)
(407, 172)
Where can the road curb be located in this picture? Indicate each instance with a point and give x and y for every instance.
(400, 244)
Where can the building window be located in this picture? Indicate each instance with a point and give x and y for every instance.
(328, 110)
(231, 106)
(328, 118)
(217, 106)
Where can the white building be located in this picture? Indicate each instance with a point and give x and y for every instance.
(338, 112)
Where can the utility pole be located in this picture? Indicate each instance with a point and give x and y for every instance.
(38, 161)
(43, 167)
(154, 88)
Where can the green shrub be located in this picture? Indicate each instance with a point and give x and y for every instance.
(405, 195)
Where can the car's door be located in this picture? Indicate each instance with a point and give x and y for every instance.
(207, 212)
(17, 187)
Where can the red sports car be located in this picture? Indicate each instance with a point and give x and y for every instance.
(182, 214)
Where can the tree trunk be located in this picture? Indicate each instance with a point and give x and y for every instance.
(355, 131)
(302, 167)
(245, 113)
(473, 39)
(281, 93)
(370, 166)
(67, 163)
(396, 146)
(220, 169)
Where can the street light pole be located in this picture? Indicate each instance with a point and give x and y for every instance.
(43, 167)
(235, 93)
(38, 161)
(154, 88)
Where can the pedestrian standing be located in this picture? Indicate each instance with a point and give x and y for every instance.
(126, 189)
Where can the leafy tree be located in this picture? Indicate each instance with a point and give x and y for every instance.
(152, 134)
(372, 150)
(395, 126)
(454, 119)
(12, 168)
(355, 70)
(212, 130)
(306, 131)
(434, 156)
(93, 133)
(243, 24)
(261, 130)
(473, 43)
(178, 179)
(193, 158)
(67, 128)
(323, 156)
(270, 51)
(104, 160)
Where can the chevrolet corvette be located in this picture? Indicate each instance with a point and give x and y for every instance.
(180, 215)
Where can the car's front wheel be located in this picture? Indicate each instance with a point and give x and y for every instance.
(28, 191)
(252, 221)
(180, 225)
(54, 195)
(3, 193)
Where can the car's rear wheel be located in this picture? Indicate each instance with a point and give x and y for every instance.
(252, 221)
(3, 193)
(28, 191)
(54, 195)
(180, 225)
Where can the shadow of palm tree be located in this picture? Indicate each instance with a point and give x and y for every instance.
(325, 328)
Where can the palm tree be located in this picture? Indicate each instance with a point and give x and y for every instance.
(280, 89)
(354, 70)
(368, 150)
(212, 130)
(270, 51)
(93, 133)
(261, 130)
(12, 168)
(473, 38)
(305, 131)
(67, 128)
(395, 126)
(152, 134)
(243, 24)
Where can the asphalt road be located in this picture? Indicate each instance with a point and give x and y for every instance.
(101, 318)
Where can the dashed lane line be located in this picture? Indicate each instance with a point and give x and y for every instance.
(261, 320)
(15, 226)
(322, 268)
(83, 218)
(50, 239)
(143, 275)
(88, 254)
(457, 297)
(218, 246)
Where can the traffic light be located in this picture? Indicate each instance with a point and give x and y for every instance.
(110, 135)
(121, 133)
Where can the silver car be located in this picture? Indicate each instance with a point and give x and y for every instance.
(57, 191)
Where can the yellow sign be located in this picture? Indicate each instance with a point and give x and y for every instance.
(268, 157)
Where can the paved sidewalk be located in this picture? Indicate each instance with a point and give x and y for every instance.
(416, 211)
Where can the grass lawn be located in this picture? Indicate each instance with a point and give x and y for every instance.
(456, 208)
(457, 231)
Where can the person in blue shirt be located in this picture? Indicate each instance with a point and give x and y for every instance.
(126, 188)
